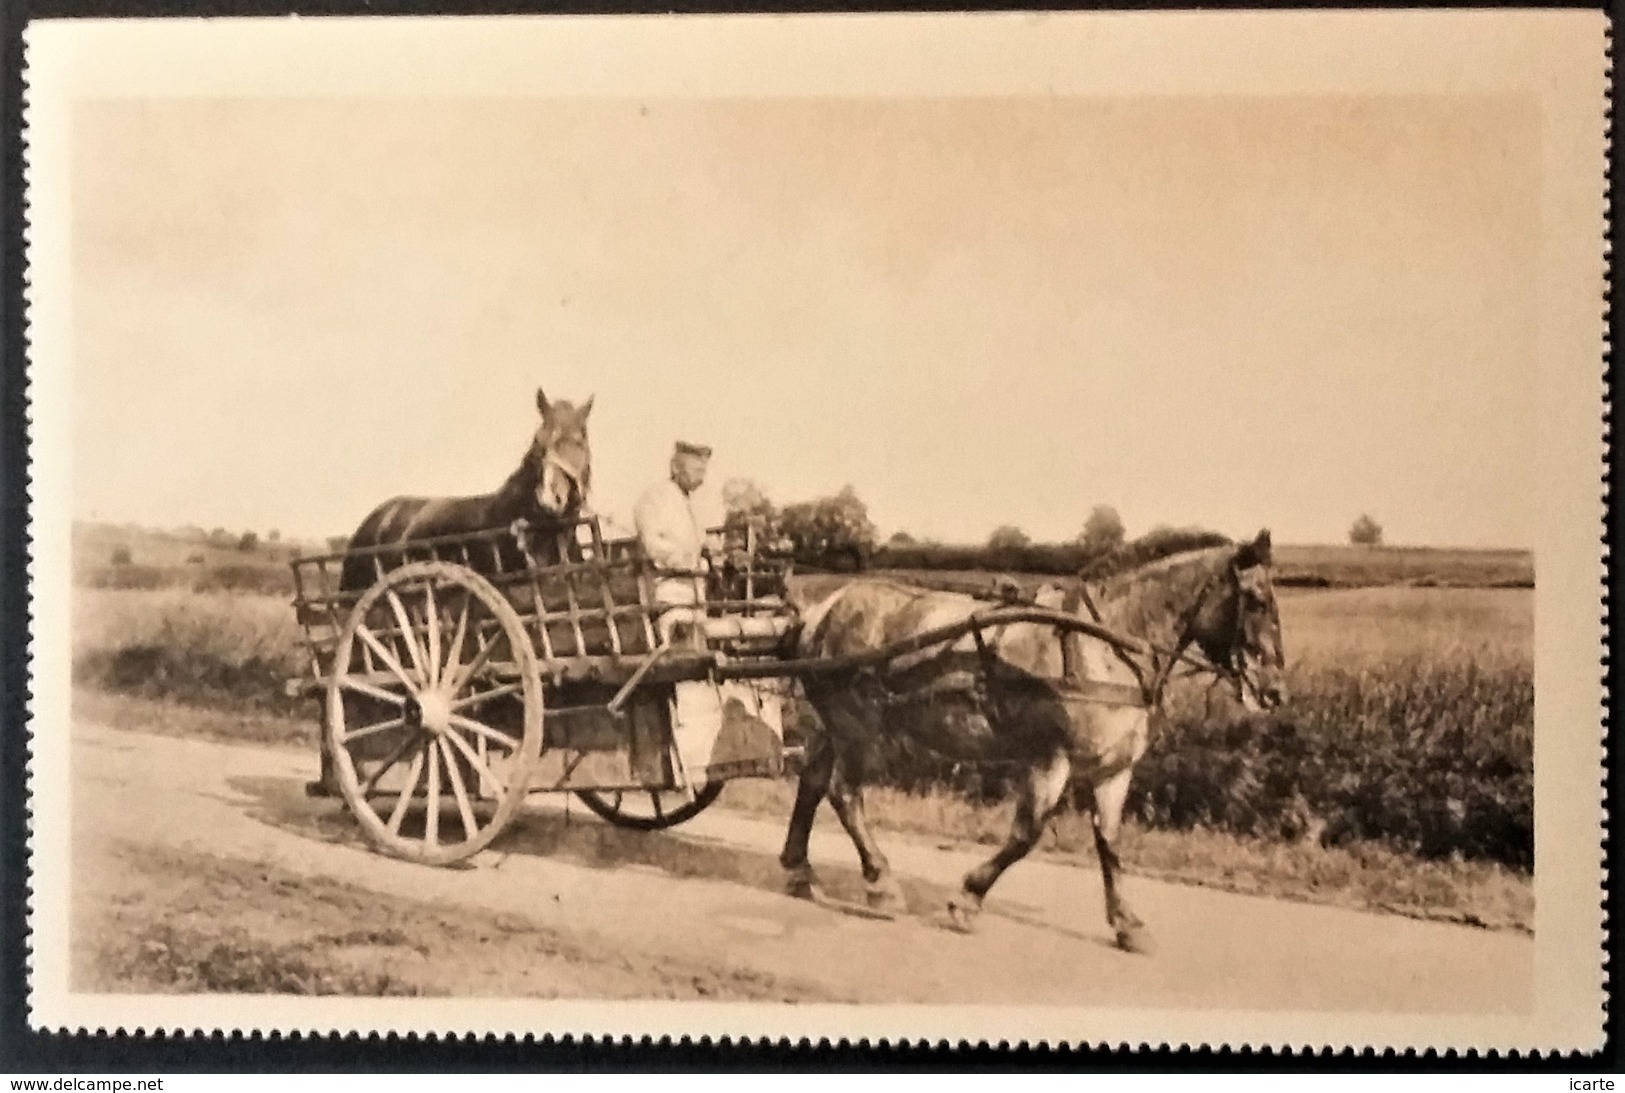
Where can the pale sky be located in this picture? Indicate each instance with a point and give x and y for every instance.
(1231, 312)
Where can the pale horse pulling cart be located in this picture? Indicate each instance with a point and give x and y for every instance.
(471, 674)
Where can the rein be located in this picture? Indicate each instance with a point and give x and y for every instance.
(1165, 660)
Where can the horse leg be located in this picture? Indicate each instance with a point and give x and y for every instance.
(1040, 797)
(811, 789)
(846, 797)
(1110, 794)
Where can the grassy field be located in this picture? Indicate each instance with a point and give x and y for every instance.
(1349, 566)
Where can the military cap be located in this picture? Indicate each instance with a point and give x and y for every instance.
(701, 450)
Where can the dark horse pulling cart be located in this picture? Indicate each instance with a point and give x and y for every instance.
(478, 668)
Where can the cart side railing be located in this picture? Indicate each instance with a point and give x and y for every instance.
(591, 616)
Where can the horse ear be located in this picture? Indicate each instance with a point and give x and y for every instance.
(1254, 552)
(541, 402)
(586, 407)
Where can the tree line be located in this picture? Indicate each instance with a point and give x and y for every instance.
(836, 533)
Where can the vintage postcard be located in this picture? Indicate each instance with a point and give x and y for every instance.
(1074, 528)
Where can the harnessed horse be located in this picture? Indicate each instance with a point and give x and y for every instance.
(1063, 706)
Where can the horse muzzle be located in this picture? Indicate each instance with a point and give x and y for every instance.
(1260, 695)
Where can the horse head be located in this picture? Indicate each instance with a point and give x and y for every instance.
(560, 459)
(1237, 625)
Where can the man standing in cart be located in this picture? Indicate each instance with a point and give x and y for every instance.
(674, 538)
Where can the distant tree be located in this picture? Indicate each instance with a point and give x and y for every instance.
(248, 542)
(1103, 530)
(1365, 532)
(336, 543)
(273, 536)
(220, 537)
(195, 558)
(901, 538)
(747, 506)
(121, 555)
(1008, 537)
(831, 531)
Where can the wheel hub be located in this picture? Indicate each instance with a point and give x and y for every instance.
(429, 711)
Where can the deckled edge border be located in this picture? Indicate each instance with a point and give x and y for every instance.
(17, 604)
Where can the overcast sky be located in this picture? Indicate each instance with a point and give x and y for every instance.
(1227, 312)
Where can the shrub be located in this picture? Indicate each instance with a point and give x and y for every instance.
(1007, 538)
(1365, 532)
(262, 579)
(120, 556)
(1103, 531)
(232, 651)
(832, 532)
(129, 576)
(1433, 757)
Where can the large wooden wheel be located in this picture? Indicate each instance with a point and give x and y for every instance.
(434, 708)
(649, 809)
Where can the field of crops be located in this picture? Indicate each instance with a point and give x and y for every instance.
(1411, 724)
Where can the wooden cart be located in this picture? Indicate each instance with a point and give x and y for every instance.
(477, 669)
(471, 673)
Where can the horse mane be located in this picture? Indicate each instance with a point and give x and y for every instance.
(1156, 548)
(522, 480)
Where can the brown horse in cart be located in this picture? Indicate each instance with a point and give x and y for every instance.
(547, 491)
(1063, 705)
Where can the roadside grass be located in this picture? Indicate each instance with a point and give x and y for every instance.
(1362, 875)
(168, 921)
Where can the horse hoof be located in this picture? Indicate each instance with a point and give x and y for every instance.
(887, 899)
(962, 914)
(801, 886)
(1135, 939)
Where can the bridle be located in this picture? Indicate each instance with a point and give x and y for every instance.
(551, 458)
(1165, 660)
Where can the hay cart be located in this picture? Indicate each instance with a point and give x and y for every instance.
(476, 669)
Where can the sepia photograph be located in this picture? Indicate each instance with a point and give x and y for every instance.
(1081, 526)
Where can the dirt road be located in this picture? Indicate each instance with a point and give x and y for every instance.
(708, 894)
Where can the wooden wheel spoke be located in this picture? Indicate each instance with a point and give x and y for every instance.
(482, 697)
(431, 611)
(456, 654)
(473, 667)
(362, 687)
(366, 635)
(475, 761)
(654, 799)
(409, 636)
(459, 791)
(468, 724)
(412, 772)
(431, 801)
(394, 757)
(368, 730)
